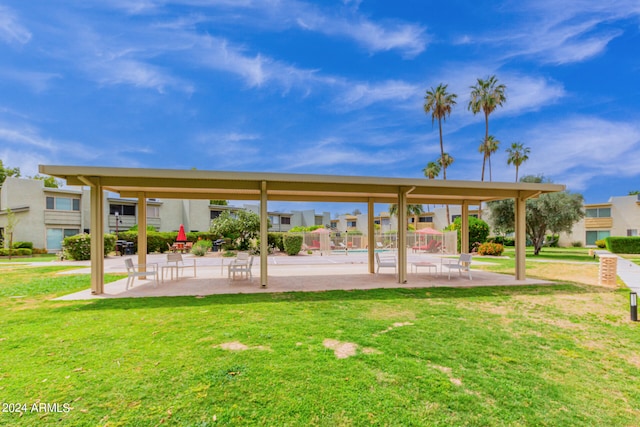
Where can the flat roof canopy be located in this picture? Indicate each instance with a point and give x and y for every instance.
(202, 184)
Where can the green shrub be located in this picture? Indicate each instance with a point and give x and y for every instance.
(275, 240)
(16, 252)
(601, 243)
(478, 231)
(493, 249)
(576, 244)
(623, 245)
(504, 241)
(292, 243)
(19, 245)
(78, 247)
(201, 247)
(551, 240)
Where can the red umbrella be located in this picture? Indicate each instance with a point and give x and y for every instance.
(182, 237)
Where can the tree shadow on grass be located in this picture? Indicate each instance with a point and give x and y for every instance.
(485, 292)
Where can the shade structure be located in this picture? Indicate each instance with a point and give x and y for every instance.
(321, 231)
(429, 231)
(182, 236)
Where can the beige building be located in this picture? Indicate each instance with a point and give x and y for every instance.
(45, 216)
(620, 216)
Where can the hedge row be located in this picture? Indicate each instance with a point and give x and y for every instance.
(623, 245)
(16, 252)
(160, 241)
(78, 247)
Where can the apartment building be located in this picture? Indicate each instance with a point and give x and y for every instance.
(45, 216)
(620, 216)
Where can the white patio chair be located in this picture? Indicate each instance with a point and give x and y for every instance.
(134, 270)
(463, 263)
(239, 265)
(386, 261)
(177, 263)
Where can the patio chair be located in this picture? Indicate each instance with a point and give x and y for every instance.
(386, 261)
(463, 263)
(241, 265)
(177, 263)
(133, 271)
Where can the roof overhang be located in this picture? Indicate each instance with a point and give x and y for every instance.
(201, 184)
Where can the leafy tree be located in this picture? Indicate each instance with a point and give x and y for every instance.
(518, 154)
(445, 161)
(411, 209)
(486, 96)
(6, 172)
(634, 193)
(432, 170)
(487, 148)
(356, 212)
(240, 228)
(49, 181)
(478, 231)
(439, 103)
(553, 212)
(219, 202)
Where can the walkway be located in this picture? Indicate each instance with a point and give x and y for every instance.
(291, 274)
(629, 272)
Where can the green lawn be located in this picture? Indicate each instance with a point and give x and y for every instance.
(551, 355)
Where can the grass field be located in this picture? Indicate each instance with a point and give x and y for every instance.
(551, 355)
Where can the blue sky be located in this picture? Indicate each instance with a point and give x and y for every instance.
(332, 87)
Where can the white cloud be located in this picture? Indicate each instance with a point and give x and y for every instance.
(36, 81)
(584, 148)
(363, 94)
(565, 32)
(11, 30)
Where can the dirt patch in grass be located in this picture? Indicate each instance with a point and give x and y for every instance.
(238, 346)
(392, 327)
(342, 350)
(386, 313)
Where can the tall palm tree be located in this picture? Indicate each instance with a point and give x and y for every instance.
(432, 170)
(518, 154)
(487, 95)
(411, 209)
(487, 147)
(438, 102)
(445, 161)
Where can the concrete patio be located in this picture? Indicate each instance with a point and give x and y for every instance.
(303, 273)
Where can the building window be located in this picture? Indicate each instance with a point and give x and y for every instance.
(128, 210)
(632, 232)
(285, 220)
(598, 213)
(425, 219)
(214, 214)
(56, 235)
(62, 203)
(153, 211)
(593, 236)
(351, 224)
(453, 217)
(376, 221)
(275, 220)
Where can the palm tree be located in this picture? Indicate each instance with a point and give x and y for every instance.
(488, 147)
(445, 161)
(432, 170)
(439, 103)
(411, 209)
(487, 95)
(518, 154)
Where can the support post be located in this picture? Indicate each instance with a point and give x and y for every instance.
(142, 230)
(371, 237)
(264, 234)
(402, 234)
(464, 228)
(97, 237)
(521, 237)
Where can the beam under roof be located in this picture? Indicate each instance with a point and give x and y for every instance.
(201, 184)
